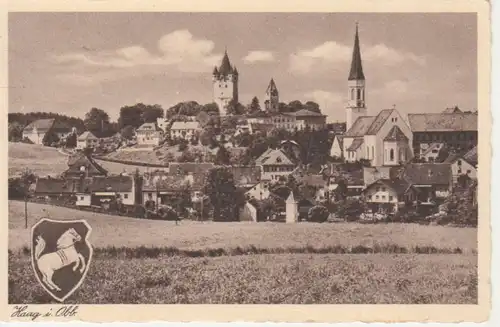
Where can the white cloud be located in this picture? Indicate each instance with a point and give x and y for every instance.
(258, 55)
(179, 49)
(331, 53)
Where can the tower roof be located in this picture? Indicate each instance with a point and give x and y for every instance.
(215, 72)
(356, 72)
(225, 66)
(272, 89)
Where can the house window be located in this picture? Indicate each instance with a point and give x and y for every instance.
(391, 198)
(352, 94)
(383, 189)
(125, 196)
(376, 197)
(383, 197)
(81, 198)
(373, 152)
(378, 189)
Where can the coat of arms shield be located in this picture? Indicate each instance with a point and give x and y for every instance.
(60, 255)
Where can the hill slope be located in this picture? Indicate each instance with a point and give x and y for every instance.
(41, 160)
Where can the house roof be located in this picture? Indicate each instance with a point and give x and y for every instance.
(117, 183)
(358, 141)
(471, 156)
(181, 125)
(244, 176)
(40, 124)
(273, 157)
(315, 180)
(262, 127)
(340, 139)
(395, 134)
(352, 175)
(91, 166)
(87, 135)
(183, 168)
(372, 174)
(360, 126)
(400, 186)
(427, 173)
(379, 121)
(61, 186)
(356, 72)
(430, 148)
(146, 127)
(304, 113)
(225, 66)
(443, 122)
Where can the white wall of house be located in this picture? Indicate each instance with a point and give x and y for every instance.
(83, 200)
(259, 191)
(186, 134)
(148, 137)
(460, 167)
(381, 194)
(394, 119)
(274, 172)
(34, 136)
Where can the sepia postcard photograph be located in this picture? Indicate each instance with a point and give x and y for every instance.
(314, 157)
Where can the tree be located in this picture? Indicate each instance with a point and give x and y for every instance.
(71, 140)
(295, 105)
(188, 108)
(443, 154)
(50, 138)
(221, 190)
(254, 106)
(312, 106)
(150, 114)
(222, 157)
(211, 108)
(318, 214)
(235, 108)
(350, 209)
(15, 132)
(127, 132)
(97, 122)
(340, 192)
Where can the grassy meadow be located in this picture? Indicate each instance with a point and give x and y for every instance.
(41, 160)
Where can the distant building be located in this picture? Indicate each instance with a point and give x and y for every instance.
(272, 99)
(274, 164)
(433, 181)
(87, 140)
(464, 164)
(149, 134)
(456, 130)
(83, 166)
(185, 130)
(291, 121)
(388, 195)
(36, 130)
(225, 84)
(119, 187)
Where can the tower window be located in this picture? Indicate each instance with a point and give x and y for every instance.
(352, 94)
(391, 155)
(358, 94)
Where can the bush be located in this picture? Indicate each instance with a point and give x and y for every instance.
(350, 209)
(318, 214)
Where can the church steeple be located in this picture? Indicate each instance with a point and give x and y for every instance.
(272, 97)
(225, 66)
(356, 72)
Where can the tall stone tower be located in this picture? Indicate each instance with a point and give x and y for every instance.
(225, 84)
(356, 86)
(272, 100)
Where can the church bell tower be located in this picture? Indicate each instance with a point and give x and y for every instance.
(356, 106)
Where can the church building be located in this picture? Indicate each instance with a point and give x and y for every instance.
(384, 139)
(272, 99)
(225, 84)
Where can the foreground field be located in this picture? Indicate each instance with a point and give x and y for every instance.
(266, 279)
(130, 232)
(41, 160)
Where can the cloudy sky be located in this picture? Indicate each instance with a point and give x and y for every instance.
(71, 62)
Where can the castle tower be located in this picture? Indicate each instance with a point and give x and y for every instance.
(356, 86)
(272, 97)
(225, 84)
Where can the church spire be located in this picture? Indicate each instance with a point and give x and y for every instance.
(225, 67)
(356, 72)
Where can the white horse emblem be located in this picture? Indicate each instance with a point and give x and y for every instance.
(51, 253)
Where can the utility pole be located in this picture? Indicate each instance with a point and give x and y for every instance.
(26, 189)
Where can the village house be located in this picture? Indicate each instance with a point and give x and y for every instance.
(117, 187)
(463, 164)
(185, 130)
(245, 177)
(36, 130)
(388, 195)
(87, 140)
(274, 164)
(149, 134)
(351, 176)
(55, 188)
(259, 191)
(163, 123)
(83, 166)
(433, 181)
(457, 130)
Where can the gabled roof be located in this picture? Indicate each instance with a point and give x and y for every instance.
(225, 66)
(379, 121)
(471, 156)
(427, 173)
(181, 125)
(336, 172)
(91, 166)
(395, 134)
(118, 183)
(41, 125)
(304, 113)
(360, 126)
(356, 72)
(61, 186)
(273, 157)
(400, 186)
(147, 127)
(87, 135)
(443, 122)
(355, 144)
